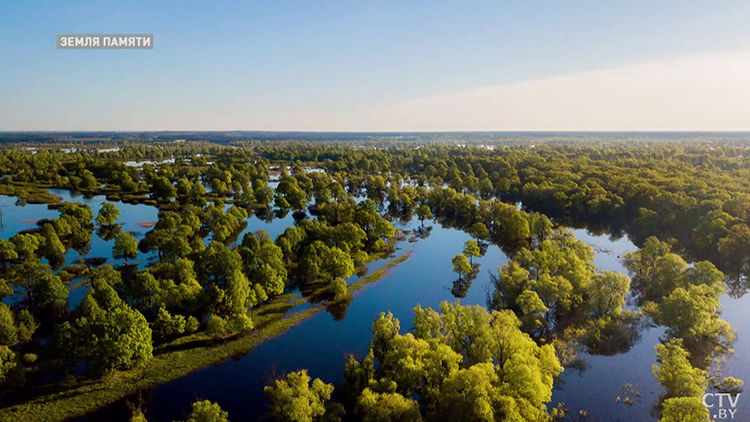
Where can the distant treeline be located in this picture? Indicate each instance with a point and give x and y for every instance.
(382, 138)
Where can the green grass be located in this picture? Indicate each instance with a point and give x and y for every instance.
(379, 273)
(171, 361)
(32, 194)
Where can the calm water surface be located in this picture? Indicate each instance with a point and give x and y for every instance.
(321, 343)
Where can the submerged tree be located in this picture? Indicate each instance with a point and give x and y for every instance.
(461, 265)
(126, 246)
(294, 399)
(108, 214)
(463, 363)
(424, 213)
(108, 333)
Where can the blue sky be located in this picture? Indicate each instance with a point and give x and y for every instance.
(356, 65)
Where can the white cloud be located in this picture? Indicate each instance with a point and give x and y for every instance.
(710, 92)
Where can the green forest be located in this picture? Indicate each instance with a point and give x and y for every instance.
(197, 288)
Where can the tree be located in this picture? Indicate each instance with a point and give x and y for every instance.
(684, 409)
(387, 407)
(217, 326)
(163, 189)
(26, 245)
(733, 249)
(337, 263)
(294, 399)
(108, 214)
(478, 231)
(473, 395)
(464, 363)
(166, 325)
(41, 288)
(676, 374)
(126, 246)
(11, 371)
(18, 328)
(471, 249)
(691, 314)
(461, 265)
(340, 290)
(183, 186)
(607, 293)
(53, 247)
(424, 212)
(206, 411)
(264, 263)
(7, 252)
(533, 310)
(263, 193)
(108, 333)
(540, 228)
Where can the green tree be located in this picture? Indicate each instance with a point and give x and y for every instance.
(294, 399)
(11, 371)
(675, 373)
(471, 249)
(108, 333)
(607, 293)
(206, 411)
(462, 361)
(16, 328)
(733, 249)
(26, 245)
(533, 311)
(387, 407)
(126, 246)
(478, 231)
(217, 326)
(166, 325)
(424, 213)
(691, 314)
(163, 189)
(684, 409)
(108, 214)
(340, 290)
(7, 252)
(540, 228)
(53, 247)
(461, 265)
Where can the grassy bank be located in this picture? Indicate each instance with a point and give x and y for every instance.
(380, 272)
(171, 361)
(31, 194)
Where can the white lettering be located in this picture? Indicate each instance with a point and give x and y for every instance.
(733, 402)
(726, 414)
(147, 41)
(63, 42)
(705, 396)
(721, 399)
(95, 42)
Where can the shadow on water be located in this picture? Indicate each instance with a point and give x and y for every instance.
(321, 342)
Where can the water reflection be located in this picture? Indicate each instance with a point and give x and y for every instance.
(617, 354)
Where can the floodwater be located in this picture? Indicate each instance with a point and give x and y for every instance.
(321, 343)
